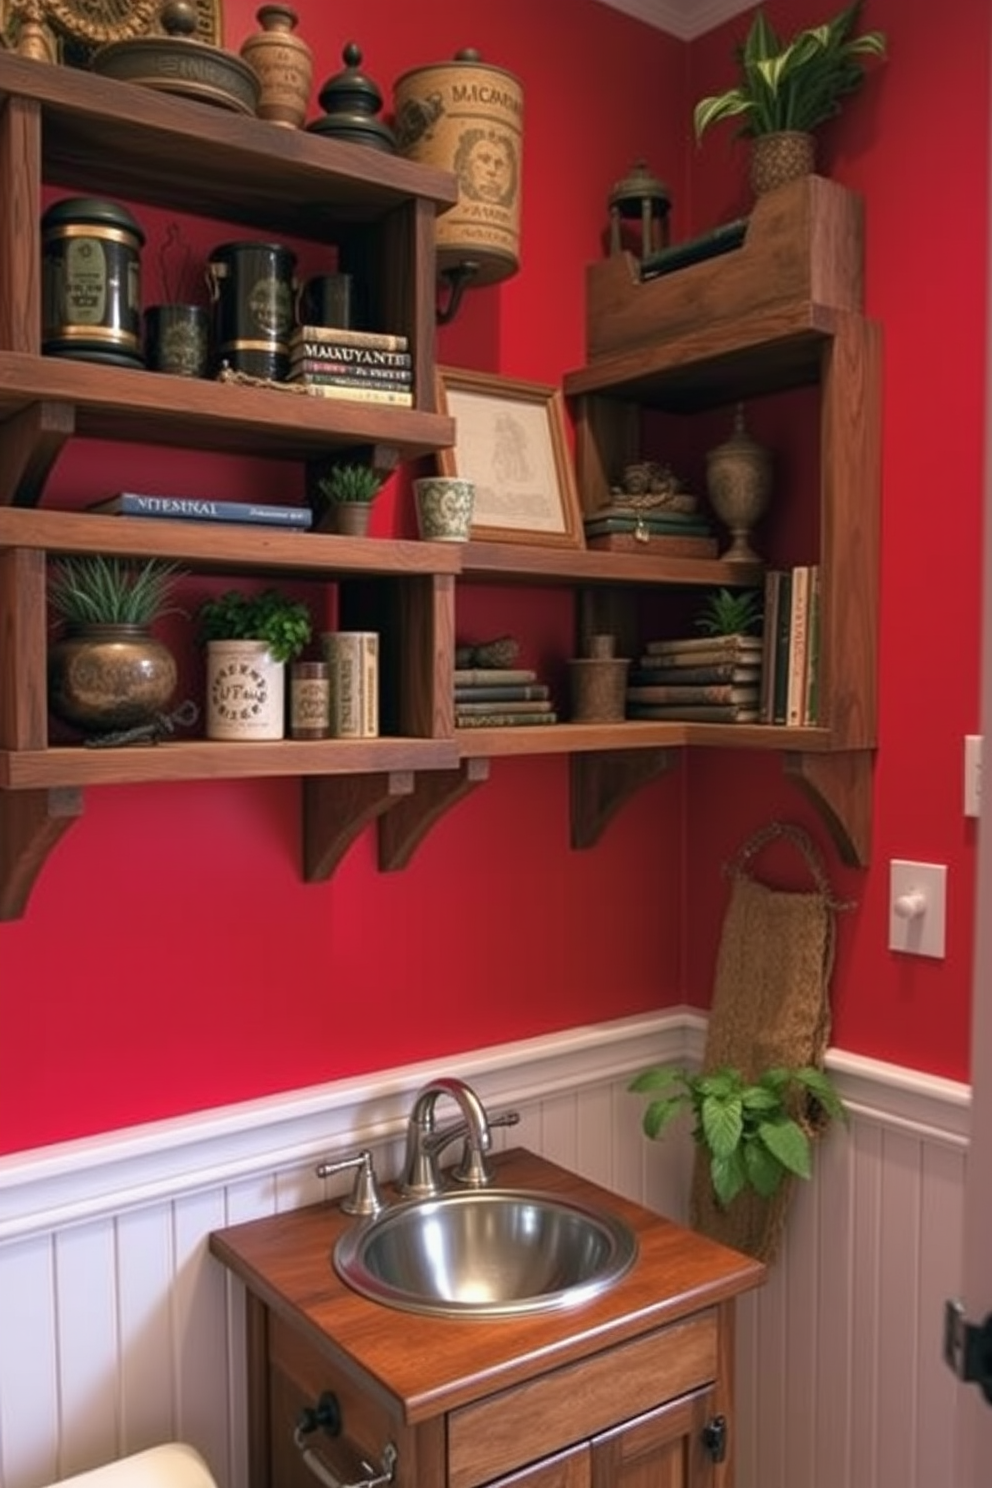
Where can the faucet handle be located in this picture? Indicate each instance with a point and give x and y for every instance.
(473, 1170)
(365, 1198)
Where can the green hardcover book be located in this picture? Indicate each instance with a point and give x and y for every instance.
(503, 720)
(780, 690)
(464, 710)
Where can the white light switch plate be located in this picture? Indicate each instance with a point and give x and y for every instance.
(920, 886)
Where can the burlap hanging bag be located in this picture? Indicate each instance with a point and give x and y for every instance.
(771, 1008)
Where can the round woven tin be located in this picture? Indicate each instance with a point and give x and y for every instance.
(467, 117)
(91, 282)
(253, 291)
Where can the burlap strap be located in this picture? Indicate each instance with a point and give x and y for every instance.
(771, 1007)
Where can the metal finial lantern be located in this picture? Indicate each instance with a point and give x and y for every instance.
(641, 199)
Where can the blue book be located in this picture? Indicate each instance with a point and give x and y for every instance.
(134, 504)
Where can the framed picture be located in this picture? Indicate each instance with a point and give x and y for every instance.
(510, 441)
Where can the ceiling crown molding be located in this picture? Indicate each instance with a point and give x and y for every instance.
(685, 19)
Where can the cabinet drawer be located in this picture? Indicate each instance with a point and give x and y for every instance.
(524, 1423)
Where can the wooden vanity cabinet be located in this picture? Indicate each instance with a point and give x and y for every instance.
(631, 1390)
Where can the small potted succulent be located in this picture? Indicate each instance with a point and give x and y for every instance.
(347, 492)
(106, 671)
(787, 89)
(249, 638)
(729, 612)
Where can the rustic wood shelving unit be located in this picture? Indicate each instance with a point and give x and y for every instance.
(74, 130)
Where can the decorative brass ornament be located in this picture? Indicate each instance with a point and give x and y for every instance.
(79, 27)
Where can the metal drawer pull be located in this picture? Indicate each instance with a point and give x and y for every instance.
(328, 1416)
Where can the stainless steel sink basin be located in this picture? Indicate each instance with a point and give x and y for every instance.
(485, 1253)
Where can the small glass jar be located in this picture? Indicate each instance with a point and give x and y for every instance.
(309, 700)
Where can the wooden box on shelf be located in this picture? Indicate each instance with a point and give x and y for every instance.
(804, 241)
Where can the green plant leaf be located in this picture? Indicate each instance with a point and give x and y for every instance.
(821, 1087)
(764, 1171)
(658, 1078)
(757, 1098)
(728, 1176)
(721, 1083)
(661, 1113)
(787, 1142)
(723, 1123)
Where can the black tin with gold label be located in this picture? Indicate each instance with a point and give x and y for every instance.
(91, 282)
(253, 290)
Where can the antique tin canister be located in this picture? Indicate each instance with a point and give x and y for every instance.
(467, 117)
(91, 282)
(253, 291)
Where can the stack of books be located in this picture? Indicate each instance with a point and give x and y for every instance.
(702, 679)
(366, 366)
(791, 660)
(501, 697)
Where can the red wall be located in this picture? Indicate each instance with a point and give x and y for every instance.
(171, 959)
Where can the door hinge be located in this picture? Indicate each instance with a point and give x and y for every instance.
(968, 1348)
(715, 1438)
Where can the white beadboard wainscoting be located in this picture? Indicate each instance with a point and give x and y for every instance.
(118, 1330)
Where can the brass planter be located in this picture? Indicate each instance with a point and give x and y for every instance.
(105, 677)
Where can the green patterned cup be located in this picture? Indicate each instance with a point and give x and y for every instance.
(444, 508)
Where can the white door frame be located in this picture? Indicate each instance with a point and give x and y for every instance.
(975, 1413)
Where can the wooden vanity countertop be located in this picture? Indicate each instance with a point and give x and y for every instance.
(434, 1364)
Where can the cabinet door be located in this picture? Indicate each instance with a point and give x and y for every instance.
(569, 1469)
(662, 1449)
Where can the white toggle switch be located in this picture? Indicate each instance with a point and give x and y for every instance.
(916, 908)
(909, 906)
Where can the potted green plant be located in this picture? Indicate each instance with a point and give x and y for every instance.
(249, 638)
(753, 1131)
(730, 612)
(787, 89)
(348, 491)
(106, 671)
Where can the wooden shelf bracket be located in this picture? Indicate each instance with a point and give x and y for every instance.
(602, 781)
(406, 826)
(30, 443)
(337, 808)
(840, 787)
(31, 823)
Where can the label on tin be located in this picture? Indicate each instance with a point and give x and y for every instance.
(84, 282)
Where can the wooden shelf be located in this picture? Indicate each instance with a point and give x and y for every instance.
(762, 331)
(505, 563)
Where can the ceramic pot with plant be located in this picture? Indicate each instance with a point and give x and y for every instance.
(106, 671)
(347, 493)
(787, 89)
(249, 638)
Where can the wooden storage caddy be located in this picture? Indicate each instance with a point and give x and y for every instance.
(804, 241)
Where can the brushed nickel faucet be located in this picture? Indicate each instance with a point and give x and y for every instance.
(421, 1177)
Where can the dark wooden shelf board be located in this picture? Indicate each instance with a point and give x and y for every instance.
(121, 403)
(126, 140)
(516, 562)
(715, 365)
(206, 759)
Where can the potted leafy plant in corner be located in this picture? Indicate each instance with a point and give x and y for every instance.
(347, 492)
(729, 612)
(106, 671)
(249, 638)
(787, 89)
(755, 1133)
